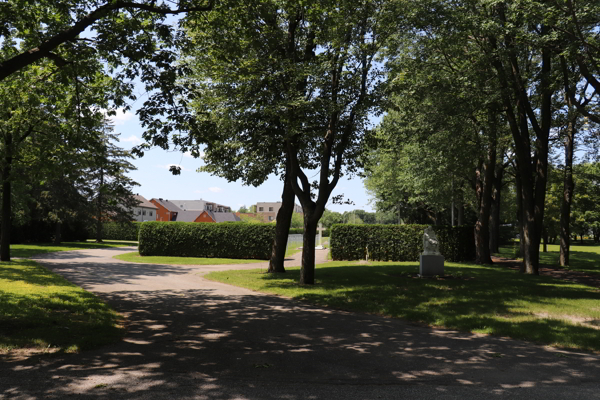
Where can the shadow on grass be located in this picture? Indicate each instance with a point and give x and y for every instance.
(477, 299)
(41, 309)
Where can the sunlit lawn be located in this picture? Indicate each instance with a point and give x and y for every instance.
(484, 299)
(42, 310)
(135, 257)
(583, 257)
(29, 250)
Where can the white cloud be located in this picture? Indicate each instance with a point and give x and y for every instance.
(132, 139)
(120, 117)
(215, 189)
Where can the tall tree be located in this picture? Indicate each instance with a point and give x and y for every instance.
(283, 86)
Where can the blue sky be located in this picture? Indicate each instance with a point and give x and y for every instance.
(156, 181)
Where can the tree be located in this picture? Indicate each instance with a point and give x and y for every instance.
(44, 29)
(108, 185)
(331, 217)
(243, 209)
(284, 86)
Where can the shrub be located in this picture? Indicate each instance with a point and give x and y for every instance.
(398, 242)
(117, 231)
(197, 239)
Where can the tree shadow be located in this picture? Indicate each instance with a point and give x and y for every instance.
(200, 344)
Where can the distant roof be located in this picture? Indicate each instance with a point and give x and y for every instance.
(223, 216)
(143, 202)
(187, 216)
(167, 204)
(190, 204)
(195, 204)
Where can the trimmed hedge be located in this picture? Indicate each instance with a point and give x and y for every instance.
(118, 231)
(398, 242)
(203, 239)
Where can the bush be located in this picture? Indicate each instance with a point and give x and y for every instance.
(210, 240)
(398, 242)
(118, 231)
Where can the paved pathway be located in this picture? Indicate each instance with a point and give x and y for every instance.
(189, 338)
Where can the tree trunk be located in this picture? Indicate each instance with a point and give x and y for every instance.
(545, 240)
(495, 210)
(6, 201)
(484, 185)
(519, 199)
(568, 189)
(57, 233)
(461, 214)
(282, 229)
(307, 272)
(99, 209)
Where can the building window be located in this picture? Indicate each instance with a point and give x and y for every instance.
(270, 208)
(144, 212)
(270, 218)
(260, 208)
(139, 212)
(150, 213)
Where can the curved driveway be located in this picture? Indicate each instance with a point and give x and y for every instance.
(189, 338)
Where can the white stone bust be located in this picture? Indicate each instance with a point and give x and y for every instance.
(431, 246)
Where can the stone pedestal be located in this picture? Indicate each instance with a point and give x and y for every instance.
(431, 265)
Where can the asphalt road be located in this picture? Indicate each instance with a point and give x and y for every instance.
(189, 338)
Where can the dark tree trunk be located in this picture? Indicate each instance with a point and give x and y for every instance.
(568, 188)
(6, 201)
(495, 210)
(519, 199)
(57, 233)
(99, 209)
(307, 272)
(282, 229)
(545, 240)
(461, 214)
(521, 116)
(484, 185)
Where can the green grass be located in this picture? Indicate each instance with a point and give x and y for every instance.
(39, 309)
(483, 299)
(135, 257)
(29, 250)
(583, 257)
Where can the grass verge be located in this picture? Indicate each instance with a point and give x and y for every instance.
(39, 309)
(583, 257)
(482, 299)
(29, 250)
(135, 257)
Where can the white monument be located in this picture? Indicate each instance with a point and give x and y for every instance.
(431, 261)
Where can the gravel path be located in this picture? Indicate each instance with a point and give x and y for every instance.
(189, 338)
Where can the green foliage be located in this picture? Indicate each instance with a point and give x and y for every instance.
(297, 221)
(224, 240)
(398, 242)
(120, 231)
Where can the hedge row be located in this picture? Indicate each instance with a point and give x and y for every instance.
(118, 231)
(398, 242)
(198, 239)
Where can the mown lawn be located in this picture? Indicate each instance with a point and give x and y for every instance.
(583, 257)
(483, 299)
(39, 309)
(29, 250)
(135, 257)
